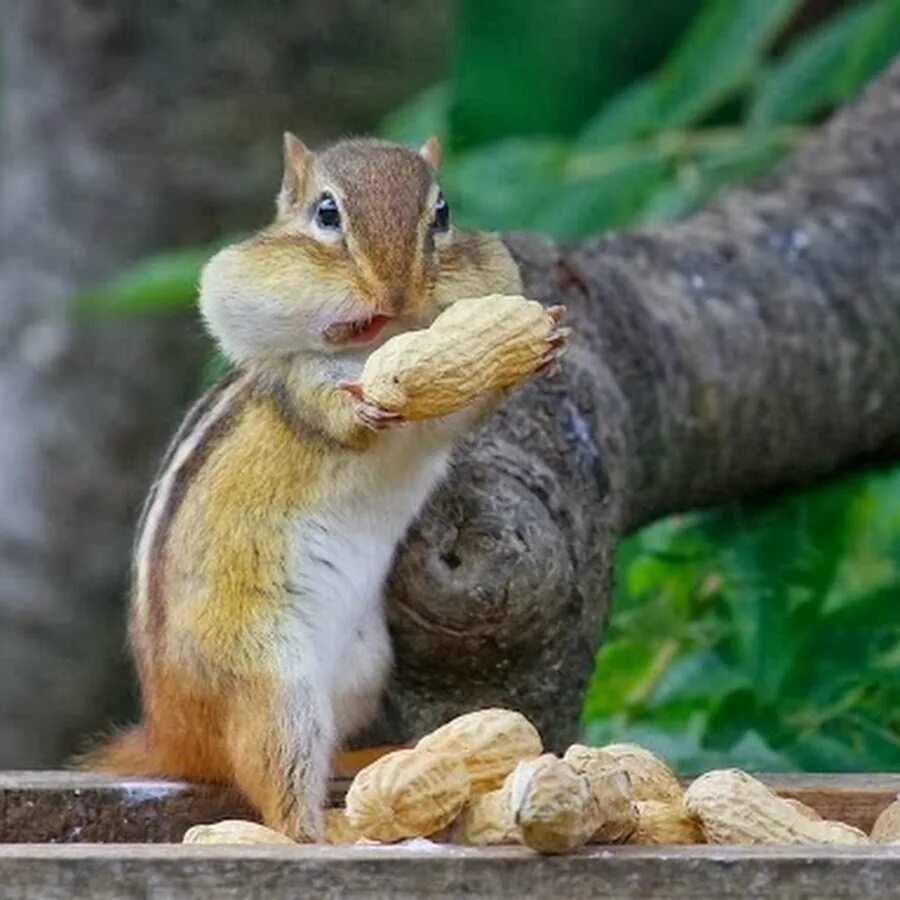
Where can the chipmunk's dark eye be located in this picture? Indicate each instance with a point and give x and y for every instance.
(328, 216)
(441, 221)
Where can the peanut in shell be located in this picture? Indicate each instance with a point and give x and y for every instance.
(234, 831)
(651, 778)
(488, 820)
(735, 808)
(611, 788)
(476, 345)
(665, 823)
(886, 829)
(338, 829)
(552, 805)
(407, 793)
(489, 742)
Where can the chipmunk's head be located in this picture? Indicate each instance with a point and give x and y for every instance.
(363, 246)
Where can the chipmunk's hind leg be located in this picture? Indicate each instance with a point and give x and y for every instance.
(280, 743)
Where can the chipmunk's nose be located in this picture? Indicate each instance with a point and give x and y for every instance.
(399, 299)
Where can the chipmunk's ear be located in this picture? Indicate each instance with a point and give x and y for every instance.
(431, 151)
(296, 165)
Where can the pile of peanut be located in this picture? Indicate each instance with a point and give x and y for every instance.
(483, 779)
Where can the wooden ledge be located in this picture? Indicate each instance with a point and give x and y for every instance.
(28, 871)
(79, 807)
(76, 810)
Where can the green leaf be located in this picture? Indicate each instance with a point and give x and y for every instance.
(807, 78)
(880, 744)
(700, 676)
(718, 57)
(877, 43)
(628, 115)
(753, 752)
(423, 116)
(821, 753)
(675, 199)
(621, 666)
(736, 713)
(504, 185)
(163, 283)
(876, 609)
(584, 206)
(528, 67)
(746, 157)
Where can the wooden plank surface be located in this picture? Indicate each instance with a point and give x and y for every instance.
(856, 799)
(73, 807)
(128, 871)
(37, 807)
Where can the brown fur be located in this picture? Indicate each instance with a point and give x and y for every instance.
(278, 440)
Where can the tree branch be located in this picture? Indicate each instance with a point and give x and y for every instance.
(752, 347)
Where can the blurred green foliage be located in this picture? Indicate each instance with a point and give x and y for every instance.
(532, 55)
(764, 637)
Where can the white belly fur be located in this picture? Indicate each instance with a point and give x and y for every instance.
(337, 639)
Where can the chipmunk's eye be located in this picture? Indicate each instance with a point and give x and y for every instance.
(441, 221)
(328, 216)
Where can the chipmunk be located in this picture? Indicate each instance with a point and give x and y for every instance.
(256, 615)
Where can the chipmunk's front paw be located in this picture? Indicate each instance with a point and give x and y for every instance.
(372, 416)
(558, 341)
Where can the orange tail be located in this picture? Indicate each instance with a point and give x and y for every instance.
(127, 753)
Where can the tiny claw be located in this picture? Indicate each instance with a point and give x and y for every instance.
(550, 362)
(556, 312)
(353, 388)
(559, 336)
(369, 414)
(378, 419)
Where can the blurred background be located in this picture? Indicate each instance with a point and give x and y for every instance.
(138, 137)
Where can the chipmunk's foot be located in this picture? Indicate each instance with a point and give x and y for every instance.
(371, 415)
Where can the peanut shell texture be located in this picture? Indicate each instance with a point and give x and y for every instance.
(552, 805)
(474, 346)
(651, 778)
(735, 808)
(234, 831)
(488, 820)
(490, 742)
(338, 829)
(407, 793)
(665, 823)
(886, 829)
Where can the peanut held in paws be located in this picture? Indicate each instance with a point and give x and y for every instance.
(477, 345)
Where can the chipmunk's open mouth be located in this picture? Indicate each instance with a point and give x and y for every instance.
(360, 331)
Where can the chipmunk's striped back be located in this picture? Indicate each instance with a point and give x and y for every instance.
(259, 567)
(206, 423)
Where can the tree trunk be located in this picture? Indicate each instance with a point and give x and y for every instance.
(751, 348)
(125, 126)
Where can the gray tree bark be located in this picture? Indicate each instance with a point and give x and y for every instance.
(751, 348)
(126, 126)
